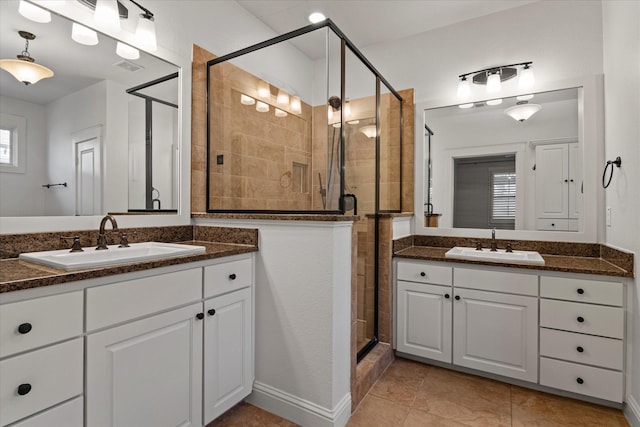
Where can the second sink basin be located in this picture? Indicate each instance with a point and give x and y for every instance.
(515, 257)
(91, 258)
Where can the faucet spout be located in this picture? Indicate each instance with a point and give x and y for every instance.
(102, 239)
(494, 244)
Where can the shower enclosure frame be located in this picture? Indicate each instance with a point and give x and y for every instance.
(379, 79)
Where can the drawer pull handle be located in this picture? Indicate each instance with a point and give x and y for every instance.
(25, 328)
(446, 296)
(211, 311)
(457, 297)
(232, 276)
(580, 291)
(580, 319)
(579, 380)
(200, 316)
(24, 389)
(580, 349)
(423, 274)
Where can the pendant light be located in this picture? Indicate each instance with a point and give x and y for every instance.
(522, 111)
(25, 69)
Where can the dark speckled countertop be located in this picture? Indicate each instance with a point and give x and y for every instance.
(582, 258)
(16, 274)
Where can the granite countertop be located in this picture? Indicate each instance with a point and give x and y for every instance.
(16, 274)
(277, 217)
(565, 263)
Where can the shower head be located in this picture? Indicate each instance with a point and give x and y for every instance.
(335, 102)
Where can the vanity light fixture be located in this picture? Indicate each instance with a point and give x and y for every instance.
(522, 110)
(369, 131)
(296, 105)
(33, 12)
(127, 52)
(146, 29)
(264, 91)
(468, 105)
(25, 69)
(283, 98)
(280, 113)
(246, 99)
(262, 107)
(83, 35)
(107, 15)
(494, 76)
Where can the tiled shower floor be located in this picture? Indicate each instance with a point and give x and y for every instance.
(411, 394)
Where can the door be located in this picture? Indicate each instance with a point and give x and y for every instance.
(228, 352)
(147, 373)
(88, 171)
(424, 320)
(552, 178)
(496, 333)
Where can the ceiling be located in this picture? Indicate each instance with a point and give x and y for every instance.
(367, 22)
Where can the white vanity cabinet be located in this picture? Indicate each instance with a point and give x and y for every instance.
(582, 336)
(424, 296)
(496, 322)
(41, 360)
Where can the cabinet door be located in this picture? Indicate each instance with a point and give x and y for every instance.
(496, 333)
(575, 180)
(147, 373)
(424, 320)
(552, 178)
(228, 352)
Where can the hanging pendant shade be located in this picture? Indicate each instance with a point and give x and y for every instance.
(25, 69)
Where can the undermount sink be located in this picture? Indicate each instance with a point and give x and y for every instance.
(515, 257)
(90, 258)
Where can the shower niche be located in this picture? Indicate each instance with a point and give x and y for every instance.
(304, 124)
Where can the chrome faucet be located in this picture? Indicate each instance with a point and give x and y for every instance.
(494, 244)
(102, 239)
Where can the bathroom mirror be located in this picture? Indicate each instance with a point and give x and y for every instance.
(85, 116)
(485, 169)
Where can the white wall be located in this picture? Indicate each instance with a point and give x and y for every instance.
(26, 187)
(622, 113)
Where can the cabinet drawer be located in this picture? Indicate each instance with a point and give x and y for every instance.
(424, 273)
(46, 377)
(598, 351)
(583, 318)
(595, 382)
(227, 277)
(498, 281)
(119, 302)
(33, 323)
(69, 414)
(557, 224)
(582, 290)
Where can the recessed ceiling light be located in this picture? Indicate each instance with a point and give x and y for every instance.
(316, 17)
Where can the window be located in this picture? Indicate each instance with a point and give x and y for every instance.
(12, 143)
(503, 196)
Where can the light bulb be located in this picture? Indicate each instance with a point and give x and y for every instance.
(527, 79)
(296, 105)
(493, 83)
(127, 52)
(83, 35)
(146, 33)
(107, 15)
(263, 89)
(464, 88)
(33, 12)
(283, 98)
(262, 107)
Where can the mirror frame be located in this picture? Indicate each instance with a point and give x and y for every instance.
(12, 225)
(590, 132)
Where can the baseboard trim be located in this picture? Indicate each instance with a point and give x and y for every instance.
(298, 410)
(632, 412)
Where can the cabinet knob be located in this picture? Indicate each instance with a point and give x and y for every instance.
(552, 224)
(25, 328)
(211, 311)
(423, 274)
(579, 380)
(580, 349)
(446, 296)
(566, 180)
(232, 276)
(24, 389)
(580, 291)
(457, 297)
(580, 319)
(200, 316)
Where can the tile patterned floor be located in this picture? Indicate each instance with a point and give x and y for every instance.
(411, 394)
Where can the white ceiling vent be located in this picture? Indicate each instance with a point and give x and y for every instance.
(129, 66)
